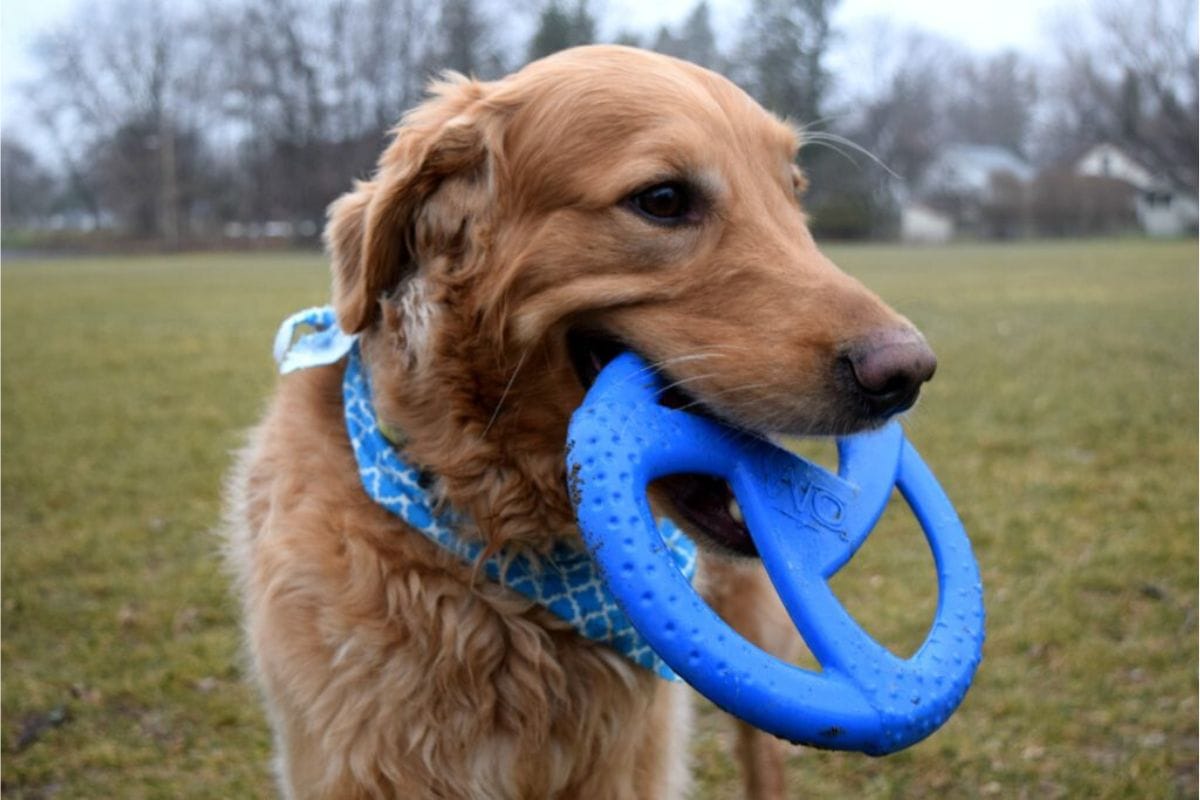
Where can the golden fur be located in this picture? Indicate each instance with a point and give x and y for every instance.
(496, 221)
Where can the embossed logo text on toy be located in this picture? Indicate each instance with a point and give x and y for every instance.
(809, 496)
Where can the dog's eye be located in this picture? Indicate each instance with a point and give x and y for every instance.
(668, 203)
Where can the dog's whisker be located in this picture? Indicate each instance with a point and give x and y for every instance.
(773, 421)
(681, 359)
(657, 366)
(712, 351)
(507, 388)
(820, 121)
(690, 379)
(832, 140)
(680, 382)
(816, 142)
(704, 403)
(720, 392)
(675, 383)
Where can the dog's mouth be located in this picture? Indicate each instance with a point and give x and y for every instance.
(705, 501)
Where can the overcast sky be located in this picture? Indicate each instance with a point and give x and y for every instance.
(983, 25)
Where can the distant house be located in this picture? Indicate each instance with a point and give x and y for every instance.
(921, 224)
(971, 169)
(978, 189)
(1162, 208)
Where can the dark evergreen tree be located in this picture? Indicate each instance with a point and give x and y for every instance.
(697, 41)
(560, 28)
(782, 55)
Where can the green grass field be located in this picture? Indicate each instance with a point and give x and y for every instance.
(1063, 423)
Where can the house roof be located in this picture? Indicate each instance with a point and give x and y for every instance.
(1107, 160)
(971, 166)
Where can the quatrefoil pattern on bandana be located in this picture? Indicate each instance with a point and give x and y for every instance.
(566, 580)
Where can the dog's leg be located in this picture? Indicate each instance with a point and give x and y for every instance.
(299, 765)
(741, 593)
(762, 759)
(303, 770)
(663, 762)
(647, 758)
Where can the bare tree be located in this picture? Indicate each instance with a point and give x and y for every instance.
(900, 115)
(467, 45)
(312, 90)
(992, 101)
(122, 84)
(1128, 75)
(28, 190)
(1065, 204)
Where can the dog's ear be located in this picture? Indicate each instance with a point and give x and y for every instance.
(369, 232)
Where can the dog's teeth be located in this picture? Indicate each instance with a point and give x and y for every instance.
(735, 510)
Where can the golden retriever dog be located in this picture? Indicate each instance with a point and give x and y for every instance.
(516, 234)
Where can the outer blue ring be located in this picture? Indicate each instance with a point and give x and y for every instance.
(806, 523)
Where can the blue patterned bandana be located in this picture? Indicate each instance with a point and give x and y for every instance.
(566, 580)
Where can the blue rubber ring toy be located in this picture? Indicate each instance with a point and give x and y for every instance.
(806, 524)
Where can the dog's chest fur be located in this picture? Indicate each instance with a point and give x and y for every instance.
(389, 665)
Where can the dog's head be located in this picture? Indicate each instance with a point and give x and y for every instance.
(517, 234)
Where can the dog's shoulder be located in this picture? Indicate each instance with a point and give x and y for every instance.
(297, 481)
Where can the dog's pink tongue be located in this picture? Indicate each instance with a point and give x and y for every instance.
(704, 501)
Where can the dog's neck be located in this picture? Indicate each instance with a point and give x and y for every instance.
(491, 429)
(565, 580)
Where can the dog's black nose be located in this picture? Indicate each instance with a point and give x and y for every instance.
(889, 367)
